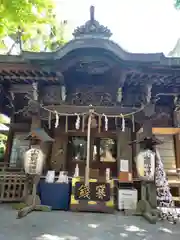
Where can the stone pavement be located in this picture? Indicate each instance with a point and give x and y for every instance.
(59, 225)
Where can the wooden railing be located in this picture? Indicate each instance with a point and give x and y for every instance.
(13, 187)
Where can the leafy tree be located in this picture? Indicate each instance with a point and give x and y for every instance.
(31, 21)
(4, 119)
(177, 4)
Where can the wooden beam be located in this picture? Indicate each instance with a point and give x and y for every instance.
(22, 127)
(16, 66)
(38, 78)
(72, 109)
(21, 88)
(165, 131)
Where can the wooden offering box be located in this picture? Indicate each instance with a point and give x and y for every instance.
(97, 197)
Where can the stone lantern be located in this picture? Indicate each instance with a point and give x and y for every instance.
(34, 157)
(33, 165)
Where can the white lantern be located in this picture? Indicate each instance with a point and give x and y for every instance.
(34, 161)
(145, 165)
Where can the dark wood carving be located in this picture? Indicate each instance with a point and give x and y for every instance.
(32, 108)
(92, 95)
(132, 96)
(162, 117)
(51, 94)
(176, 119)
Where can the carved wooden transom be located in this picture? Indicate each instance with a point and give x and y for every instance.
(93, 67)
(91, 95)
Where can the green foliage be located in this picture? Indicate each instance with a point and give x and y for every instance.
(4, 119)
(33, 21)
(177, 4)
(3, 137)
(23, 13)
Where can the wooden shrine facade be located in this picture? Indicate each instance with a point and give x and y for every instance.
(54, 91)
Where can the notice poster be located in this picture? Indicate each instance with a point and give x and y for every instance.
(124, 165)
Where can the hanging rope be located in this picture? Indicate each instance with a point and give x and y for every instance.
(133, 123)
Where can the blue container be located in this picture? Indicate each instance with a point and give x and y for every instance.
(56, 195)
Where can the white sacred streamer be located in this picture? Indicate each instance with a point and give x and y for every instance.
(78, 120)
(57, 120)
(133, 124)
(12, 95)
(35, 90)
(49, 120)
(106, 121)
(123, 123)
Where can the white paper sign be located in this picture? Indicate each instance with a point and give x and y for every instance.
(50, 177)
(124, 165)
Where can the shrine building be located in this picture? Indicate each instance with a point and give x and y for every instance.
(51, 93)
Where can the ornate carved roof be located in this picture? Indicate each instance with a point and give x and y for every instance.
(92, 28)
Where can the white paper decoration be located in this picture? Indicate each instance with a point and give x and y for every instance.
(78, 122)
(57, 119)
(63, 93)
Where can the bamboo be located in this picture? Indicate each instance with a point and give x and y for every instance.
(83, 123)
(88, 148)
(99, 124)
(66, 124)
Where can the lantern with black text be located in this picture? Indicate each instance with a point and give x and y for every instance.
(34, 161)
(145, 164)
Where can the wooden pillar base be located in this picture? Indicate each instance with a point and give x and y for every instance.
(144, 209)
(26, 210)
(33, 201)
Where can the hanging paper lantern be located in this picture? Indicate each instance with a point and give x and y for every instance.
(145, 164)
(34, 161)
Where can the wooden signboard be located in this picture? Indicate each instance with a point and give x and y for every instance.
(96, 197)
(96, 191)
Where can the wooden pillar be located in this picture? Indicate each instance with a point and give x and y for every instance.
(176, 122)
(177, 151)
(59, 151)
(124, 150)
(9, 143)
(45, 146)
(36, 122)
